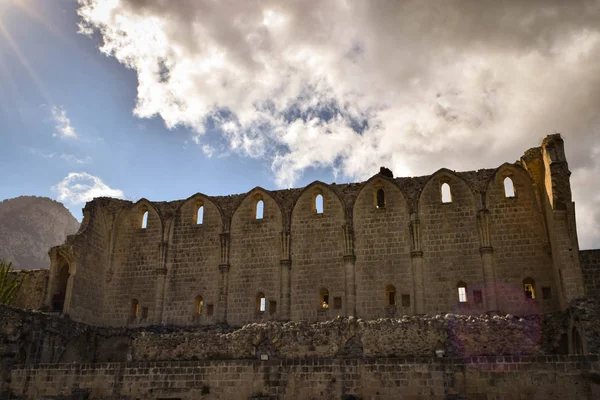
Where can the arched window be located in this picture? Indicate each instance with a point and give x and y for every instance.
(324, 297)
(145, 220)
(198, 304)
(529, 288)
(135, 308)
(261, 302)
(200, 215)
(390, 292)
(380, 198)
(319, 203)
(462, 292)
(260, 206)
(509, 187)
(446, 193)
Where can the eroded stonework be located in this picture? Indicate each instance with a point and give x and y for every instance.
(381, 248)
(382, 289)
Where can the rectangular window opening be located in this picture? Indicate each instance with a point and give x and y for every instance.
(406, 300)
(144, 312)
(477, 296)
(337, 303)
(209, 309)
(546, 293)
(272, 307)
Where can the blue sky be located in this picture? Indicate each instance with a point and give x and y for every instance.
(140, 157)
(163, 99)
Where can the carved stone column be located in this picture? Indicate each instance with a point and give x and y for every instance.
(350, 269)
(286, 272)
(224, 281)
(416, 255)
(487, 257)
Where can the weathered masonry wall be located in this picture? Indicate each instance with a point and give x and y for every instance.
(386, 247)
(32, 293)
(590, 266)
(510, 377)
(38, 337)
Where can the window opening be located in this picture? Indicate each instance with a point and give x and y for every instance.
(446, 193)
(261, 302)
(272, 307)
(210, 309)
(260, 206)
(58, 299)
(462, 292)
(546, 293)
(477, 296)
(135, 308)
(144, 312)
(319, 204)
(198, 305)
(324, 298)
(391, 295)
(380, 199)
(406, 300)
(200, 215)
(337, 303)
(528, 288)
(145, 220)
(576, 340)
(509, 187)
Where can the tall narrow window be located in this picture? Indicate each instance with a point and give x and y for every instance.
(446, 193)
(509, 187)
(260, 207)
(324, 295)
(135, 308)
(380, 199)
(319, 204)
(145, 220)
(462, 292)
(261, 302)
(390, 292)
(200, 215)
(529, 288)
(198, 305)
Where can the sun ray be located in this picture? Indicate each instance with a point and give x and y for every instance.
(24, 62)
(31, 11)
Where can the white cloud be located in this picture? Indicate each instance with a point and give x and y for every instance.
(74, 159)
(354, 85)
(208, 150)
(80, 187)
(62, 125)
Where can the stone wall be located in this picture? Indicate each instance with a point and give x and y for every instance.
(518, 235)
(355, 251)
(510, 377)
(32, 293)
(46, 338)
(191, 272)
(590, 266)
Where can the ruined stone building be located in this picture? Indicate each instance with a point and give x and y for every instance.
(457, 285)
(499, 239)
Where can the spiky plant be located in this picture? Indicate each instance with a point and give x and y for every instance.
(10, 282)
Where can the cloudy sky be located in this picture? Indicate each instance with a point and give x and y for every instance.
(162, 99)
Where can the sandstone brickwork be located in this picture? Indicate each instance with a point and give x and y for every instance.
(386, 247)
(590, 266)
(511, 377)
